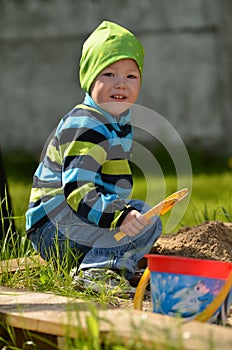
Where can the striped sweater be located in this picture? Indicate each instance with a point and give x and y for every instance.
(86, 165)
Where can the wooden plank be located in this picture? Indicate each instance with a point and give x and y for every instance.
(13, 265)
(47, 313)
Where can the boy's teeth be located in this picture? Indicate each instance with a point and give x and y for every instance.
(117, 96)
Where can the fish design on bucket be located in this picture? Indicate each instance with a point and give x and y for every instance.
(191, 299)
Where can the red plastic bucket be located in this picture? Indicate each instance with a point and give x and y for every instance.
(191, 288)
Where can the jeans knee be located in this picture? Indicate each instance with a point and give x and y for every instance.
(155, 229)
(139, 205)
(159, 226)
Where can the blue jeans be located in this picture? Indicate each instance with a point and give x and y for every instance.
(90, 246)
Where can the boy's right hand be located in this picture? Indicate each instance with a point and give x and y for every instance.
(133, 223)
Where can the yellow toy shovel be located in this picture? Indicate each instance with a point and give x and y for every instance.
(160, 208)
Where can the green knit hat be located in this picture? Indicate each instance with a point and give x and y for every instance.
(107, 44)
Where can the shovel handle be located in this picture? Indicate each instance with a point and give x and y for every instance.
(159, 209)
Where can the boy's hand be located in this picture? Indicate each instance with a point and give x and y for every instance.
(133, 223)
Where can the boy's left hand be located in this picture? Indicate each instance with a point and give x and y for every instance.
(133, 223)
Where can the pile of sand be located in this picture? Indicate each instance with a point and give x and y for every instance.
(209, 240)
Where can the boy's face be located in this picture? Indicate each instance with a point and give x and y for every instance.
(117, 87)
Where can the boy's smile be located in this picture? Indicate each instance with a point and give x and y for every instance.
(117, 87)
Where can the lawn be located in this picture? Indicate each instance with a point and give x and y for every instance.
(209, 198)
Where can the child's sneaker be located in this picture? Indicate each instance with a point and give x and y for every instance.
(98, 280)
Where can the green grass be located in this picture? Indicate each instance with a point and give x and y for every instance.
(210, 198)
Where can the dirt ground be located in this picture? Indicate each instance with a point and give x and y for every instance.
(209, 240)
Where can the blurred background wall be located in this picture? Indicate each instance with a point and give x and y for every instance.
(187, 76)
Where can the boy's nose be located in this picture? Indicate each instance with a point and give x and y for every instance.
(120, 83)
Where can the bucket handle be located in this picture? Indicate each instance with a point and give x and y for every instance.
(140, 290)
(215, 304)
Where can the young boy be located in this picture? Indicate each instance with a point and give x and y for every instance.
(80, 189)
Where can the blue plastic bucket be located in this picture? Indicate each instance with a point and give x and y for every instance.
(191, 288)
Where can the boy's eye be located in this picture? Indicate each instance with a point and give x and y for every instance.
(131, 76)
(109, 74)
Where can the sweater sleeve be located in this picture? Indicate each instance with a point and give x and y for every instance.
(95, 184)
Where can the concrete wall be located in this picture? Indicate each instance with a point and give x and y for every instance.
(187, 76)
